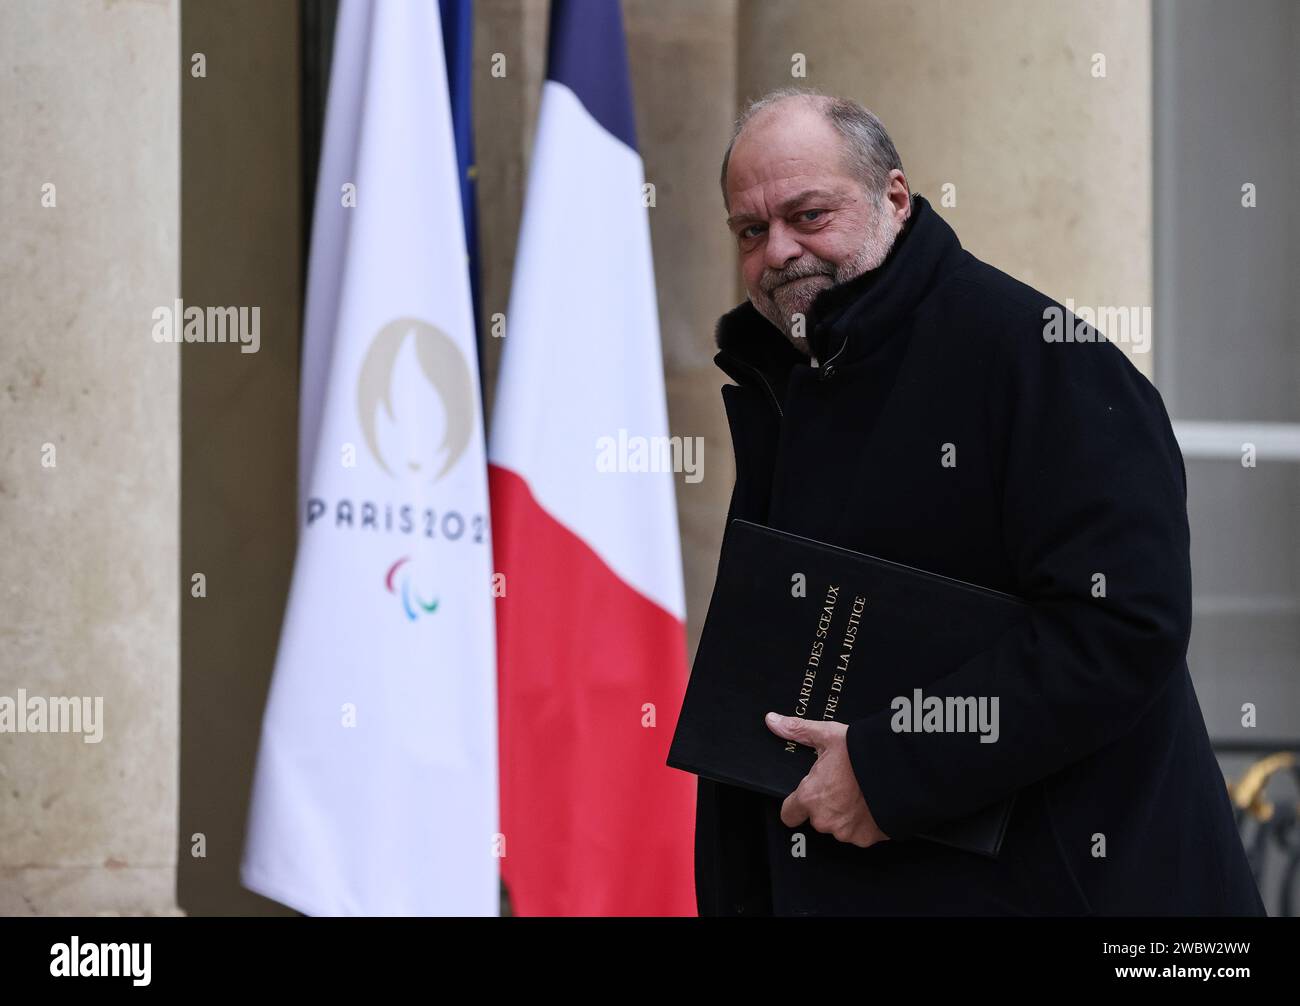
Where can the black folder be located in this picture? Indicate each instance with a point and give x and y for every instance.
(840, 644)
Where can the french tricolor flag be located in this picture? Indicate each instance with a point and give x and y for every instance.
(590, 630)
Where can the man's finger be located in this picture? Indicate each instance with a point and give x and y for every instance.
(793, 811)
(797, 729)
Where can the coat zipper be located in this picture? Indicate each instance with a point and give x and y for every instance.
(759, 374)
(828, 368)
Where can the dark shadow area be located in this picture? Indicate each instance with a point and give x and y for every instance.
(241, 246)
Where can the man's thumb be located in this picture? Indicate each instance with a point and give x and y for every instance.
(792, 728)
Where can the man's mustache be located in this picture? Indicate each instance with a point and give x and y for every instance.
(789, 275)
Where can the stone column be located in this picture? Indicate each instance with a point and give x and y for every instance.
(682, 56)
(89, 497)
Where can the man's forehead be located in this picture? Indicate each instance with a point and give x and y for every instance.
(775, 160)
(769, 153)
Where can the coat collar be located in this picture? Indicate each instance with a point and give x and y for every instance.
(845, 321)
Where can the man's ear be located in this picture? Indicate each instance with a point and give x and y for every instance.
(899, 194)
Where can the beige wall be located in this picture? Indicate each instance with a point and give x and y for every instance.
(88, 567)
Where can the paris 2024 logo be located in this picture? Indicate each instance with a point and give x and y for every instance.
(414, 379)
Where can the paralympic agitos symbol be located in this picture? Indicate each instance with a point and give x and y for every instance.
(413, 611)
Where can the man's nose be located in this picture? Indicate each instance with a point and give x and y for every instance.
(781, 246)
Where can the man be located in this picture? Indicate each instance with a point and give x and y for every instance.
(896, 396)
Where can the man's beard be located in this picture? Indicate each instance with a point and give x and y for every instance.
(781, 306)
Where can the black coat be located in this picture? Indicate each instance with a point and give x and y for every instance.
(1066, 467)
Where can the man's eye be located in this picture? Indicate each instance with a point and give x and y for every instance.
(806, 212)
(745, 231)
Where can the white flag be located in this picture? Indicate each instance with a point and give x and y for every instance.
(376, 783)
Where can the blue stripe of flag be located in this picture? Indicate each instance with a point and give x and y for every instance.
(588, 55)
(458, 44)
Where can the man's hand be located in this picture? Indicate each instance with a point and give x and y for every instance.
(829, 796)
